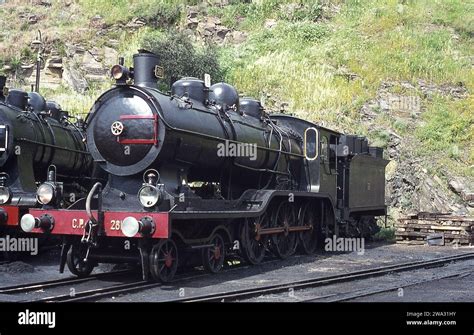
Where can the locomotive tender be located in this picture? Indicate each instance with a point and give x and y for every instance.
(38, 144)
(172, 195)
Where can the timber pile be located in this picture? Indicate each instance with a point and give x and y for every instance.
(415, 229)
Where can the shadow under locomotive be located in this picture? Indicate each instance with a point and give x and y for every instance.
(171, 198)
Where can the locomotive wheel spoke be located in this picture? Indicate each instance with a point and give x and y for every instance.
(213, 256)
(284, 244)
(75, 261)
(164, 260)
(309, 239)
(254, 245)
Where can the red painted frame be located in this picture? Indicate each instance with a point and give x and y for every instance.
(141, 140)
(72, 222)
(13, 215)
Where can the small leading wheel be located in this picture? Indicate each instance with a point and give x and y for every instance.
(253, 244)
(214, 255)
(284, 244)
(164, 260)
(309, 239)
(75, 261)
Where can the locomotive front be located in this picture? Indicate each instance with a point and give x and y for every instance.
(137, 132)
(36, 136)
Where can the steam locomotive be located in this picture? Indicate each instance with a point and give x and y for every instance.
(199, 175)
(39, 145)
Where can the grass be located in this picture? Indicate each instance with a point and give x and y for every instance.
(324, 58)
(57, 24)
(158, 12)
(447, 135)
(385, 234)
(299, 62)
(75, 103)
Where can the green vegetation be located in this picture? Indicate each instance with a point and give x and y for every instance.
(158, 13)
(380, 138)
(385, 234)
(75, 103)
(324, 58)
(448, 134)
(180, 59)
(301, 59)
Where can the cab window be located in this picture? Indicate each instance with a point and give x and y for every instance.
(311, 137)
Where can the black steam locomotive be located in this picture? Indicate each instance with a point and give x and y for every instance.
(199, 173)
(39, 145)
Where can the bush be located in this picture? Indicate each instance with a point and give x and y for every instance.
(15, 63)
(385, 234)
(380, 138)
(157, 13)
(27, 54)
(160, 14)
(180, 59)
(306, 32)
(310, 12)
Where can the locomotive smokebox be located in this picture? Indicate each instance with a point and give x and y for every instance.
(145, 66)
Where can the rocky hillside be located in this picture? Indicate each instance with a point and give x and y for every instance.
(400, 72)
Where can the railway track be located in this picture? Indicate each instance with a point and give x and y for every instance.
(315, 282)
(99, 293)
(105, 292)
(124, 288)
(362, 293)
(29, 287)
(102, 292)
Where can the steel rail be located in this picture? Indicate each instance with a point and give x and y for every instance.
(323, 281)
(56, 282)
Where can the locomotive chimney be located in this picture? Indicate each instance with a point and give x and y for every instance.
(145, 66)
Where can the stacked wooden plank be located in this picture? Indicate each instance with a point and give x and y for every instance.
(419, 228)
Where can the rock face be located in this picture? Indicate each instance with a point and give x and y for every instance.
(87, 66)
(78, 69)
(464, 188)
(50, 74)
(403, 105)
(97, 22)
(79, 66)
(74, 79)
(211, 29)
(410, 187)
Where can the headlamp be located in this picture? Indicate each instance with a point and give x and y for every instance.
(4, 194)
(45, 193)
(149, 195)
